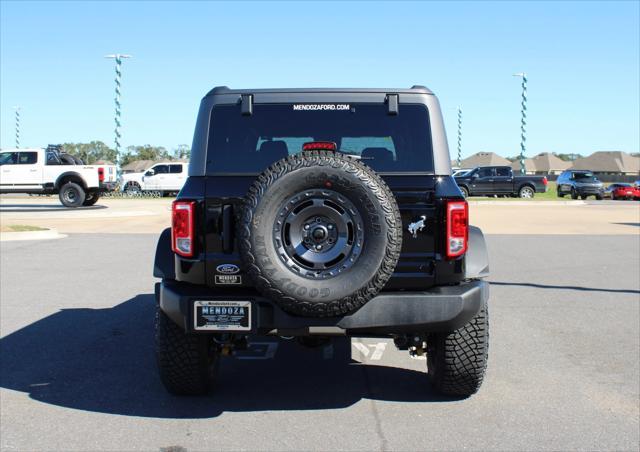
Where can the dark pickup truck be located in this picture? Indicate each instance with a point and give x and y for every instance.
(499, 181)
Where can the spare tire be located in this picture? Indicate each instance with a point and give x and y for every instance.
(320, 233)
(67, 159)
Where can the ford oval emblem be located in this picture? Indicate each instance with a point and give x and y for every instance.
(228, 269)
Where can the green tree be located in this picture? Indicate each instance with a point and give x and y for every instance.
(147, 152)
(90, 152)
(567, 157)
(183, 151)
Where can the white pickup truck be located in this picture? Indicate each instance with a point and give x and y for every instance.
(43, 172)
(163, 177)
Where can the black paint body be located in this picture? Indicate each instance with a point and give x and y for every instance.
(421, 275)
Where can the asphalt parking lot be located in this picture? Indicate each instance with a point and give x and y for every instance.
(77, 367)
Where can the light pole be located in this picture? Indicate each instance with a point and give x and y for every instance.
(118, 57)
(17, 109)
(523, 120)
(459, 137)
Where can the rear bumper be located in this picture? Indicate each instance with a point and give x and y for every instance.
(108, 186)
(444, 308)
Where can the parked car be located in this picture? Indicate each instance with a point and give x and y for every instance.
(318, 213)
(37, 171)
(499, 181)
(622, 191)
(165, 177)
(579, 184)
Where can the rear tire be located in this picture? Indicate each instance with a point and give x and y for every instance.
(91, 199)
(464, 191)
(187, 362)
(526, 192)
(599, 197)
(72, 195)
(457, 361)
(583, 197)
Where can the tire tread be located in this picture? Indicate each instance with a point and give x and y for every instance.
(460, 361)
(373, 182)
(184, 360)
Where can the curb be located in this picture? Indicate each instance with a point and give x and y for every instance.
(527, 203)
(30, 235)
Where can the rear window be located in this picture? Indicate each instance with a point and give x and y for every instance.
(28, 158)
(388, 143)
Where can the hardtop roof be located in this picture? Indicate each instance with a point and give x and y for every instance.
(416, 89)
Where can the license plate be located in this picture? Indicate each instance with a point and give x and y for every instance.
(222, 315)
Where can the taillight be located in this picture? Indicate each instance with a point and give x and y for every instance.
(100, 174)
(182, 227)
(545, 181)
(457, 228)
(319, 145)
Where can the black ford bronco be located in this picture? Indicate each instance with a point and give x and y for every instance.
(314, 213)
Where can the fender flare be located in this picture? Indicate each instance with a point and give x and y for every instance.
(73, 174)
(477, 257)
(164, 265)
(526, 184)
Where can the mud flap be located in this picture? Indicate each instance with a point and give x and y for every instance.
(164, 264)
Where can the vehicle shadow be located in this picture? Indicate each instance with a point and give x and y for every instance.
(548, 286)
(102, 360)
(34, 208)
(628, 224)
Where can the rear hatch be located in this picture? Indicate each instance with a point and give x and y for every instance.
(398, 147)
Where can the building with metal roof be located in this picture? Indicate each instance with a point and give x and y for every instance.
(609, 162)
(543, 163)
(484, 159)
(137, 166)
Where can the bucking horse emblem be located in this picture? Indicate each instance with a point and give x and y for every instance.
(417, 226)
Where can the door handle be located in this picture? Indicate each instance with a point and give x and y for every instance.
(33, 170)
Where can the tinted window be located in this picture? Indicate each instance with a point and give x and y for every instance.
(503, 172)
(388, 143)
(485, 172)
(161, 169)
(8, 158)
(27, 158)
(584, 177)
(175, 169)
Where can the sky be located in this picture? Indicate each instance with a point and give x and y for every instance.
(581, 59)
